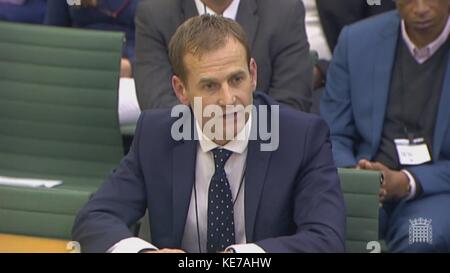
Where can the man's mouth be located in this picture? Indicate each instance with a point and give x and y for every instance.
(424, 24)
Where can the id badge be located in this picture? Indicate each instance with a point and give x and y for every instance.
(413, 152)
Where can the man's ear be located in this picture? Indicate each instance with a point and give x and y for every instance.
(180, 90)
(253, 73)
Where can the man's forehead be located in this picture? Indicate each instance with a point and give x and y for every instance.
(205, 78)
(231, 49)
(227, 60)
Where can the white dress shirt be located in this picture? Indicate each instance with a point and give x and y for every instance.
(230, 12)
(314, 30)
(204, 170)
(423, 54)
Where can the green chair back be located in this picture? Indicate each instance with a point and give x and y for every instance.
(313, 57)
(361, 190)
(58, 120)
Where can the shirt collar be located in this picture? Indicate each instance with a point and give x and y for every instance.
(237, 145)
(230, 12)
(423, 54)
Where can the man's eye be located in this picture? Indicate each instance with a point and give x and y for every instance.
(210, 86)
(237, 80)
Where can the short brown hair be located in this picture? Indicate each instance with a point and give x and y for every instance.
(202, 34)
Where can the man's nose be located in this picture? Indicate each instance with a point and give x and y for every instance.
(421, 7)
(226, 95)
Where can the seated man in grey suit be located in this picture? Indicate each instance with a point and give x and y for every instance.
(386, 102)
(276, 34)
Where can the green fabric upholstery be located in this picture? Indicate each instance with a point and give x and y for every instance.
(58, 120)
(128, 130)
(361, 190)
(314, 57)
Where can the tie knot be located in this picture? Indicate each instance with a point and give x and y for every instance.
(220, 157)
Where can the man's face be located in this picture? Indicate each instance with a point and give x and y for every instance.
(221, 77)
(423, 16)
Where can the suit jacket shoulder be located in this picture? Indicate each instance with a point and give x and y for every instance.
(372, 28)
(164, 15)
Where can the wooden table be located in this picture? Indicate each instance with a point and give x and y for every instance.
(26, 244)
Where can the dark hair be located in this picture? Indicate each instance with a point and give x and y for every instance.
(89, 3)
(202, 34)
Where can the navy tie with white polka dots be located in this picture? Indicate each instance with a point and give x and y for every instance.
(220, 206)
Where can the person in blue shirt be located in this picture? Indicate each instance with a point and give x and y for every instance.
(23, 11)
(114, 15)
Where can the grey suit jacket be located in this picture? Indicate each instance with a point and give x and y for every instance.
(276, 34)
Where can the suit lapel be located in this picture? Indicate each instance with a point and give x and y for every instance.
(184, 162)
(442, 119)
(257, 165)
(247, 17)
(382, 71)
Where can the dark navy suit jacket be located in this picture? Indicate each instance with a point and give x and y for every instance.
(60, 14)
(32, 11)
(293, 200)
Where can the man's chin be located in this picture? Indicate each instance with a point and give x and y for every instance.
(236, 120)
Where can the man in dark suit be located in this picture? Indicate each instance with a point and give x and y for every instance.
(335, 15)
(275, 31)
(386, 102)
(222, 191)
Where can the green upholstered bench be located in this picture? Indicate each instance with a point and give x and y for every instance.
(58, 120)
